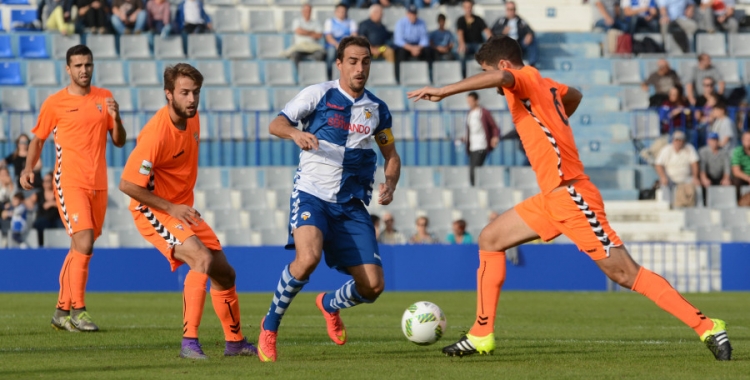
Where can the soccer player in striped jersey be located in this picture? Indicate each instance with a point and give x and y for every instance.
(160, 177)
(79, 117)
(333, 184)
(568, 204)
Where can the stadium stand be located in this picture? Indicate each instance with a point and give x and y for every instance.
(248, 81)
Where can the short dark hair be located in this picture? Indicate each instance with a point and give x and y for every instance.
(374, 218)
(500, 48)
(441, 17)
(351, 41)
(78, 50)
(171, 74)
(341, 5)
(721, 105)
(19, 195)
(461, 223)
(468, 1)
(474, 95)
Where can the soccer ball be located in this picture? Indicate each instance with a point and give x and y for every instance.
(423, 323)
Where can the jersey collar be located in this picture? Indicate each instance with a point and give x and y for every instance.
(341, 90)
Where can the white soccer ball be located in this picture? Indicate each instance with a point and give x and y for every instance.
(423, 323)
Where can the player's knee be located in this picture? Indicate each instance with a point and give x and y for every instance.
(84, 246)
(489, 242)
(371, 292)
(202, 260)
(622, 277)
(306, 264)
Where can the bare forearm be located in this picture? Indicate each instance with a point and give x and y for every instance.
(280, 127)
(694, 169)
(142, 195)
(660, 171)
(392, 169)
(738, 173)
(35, 151)
(118, 134)
(487, 79)
(571, 101)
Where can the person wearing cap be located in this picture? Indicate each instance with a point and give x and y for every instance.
(714, 164)
(723, 126)
(411, 39)
(677, 166)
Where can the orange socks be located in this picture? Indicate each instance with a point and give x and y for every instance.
(193, 301)
(79, 275)
(490, 278)
(63, 298)
(227, 308)
(657, 289)
(73, 277)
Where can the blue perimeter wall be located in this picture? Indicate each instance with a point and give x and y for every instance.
(407, 268)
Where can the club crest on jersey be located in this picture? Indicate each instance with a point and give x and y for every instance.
(305, 215)
(179, 227)
(196, 137)
(368, 113)
(99, 107)
(75, 218)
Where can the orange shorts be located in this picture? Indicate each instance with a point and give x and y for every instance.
(576, 212)
(82, 209)
(166, 232)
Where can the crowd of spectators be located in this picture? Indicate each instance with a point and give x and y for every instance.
(122, 17)
(410, 39)
(388, 234)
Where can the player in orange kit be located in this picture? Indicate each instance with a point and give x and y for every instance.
(79, 116)
(568, 204)
(160, 177)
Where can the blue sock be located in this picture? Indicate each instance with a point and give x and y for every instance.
(287, 288)
(346, 296)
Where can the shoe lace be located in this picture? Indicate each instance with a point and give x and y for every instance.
(84, 316)
(335, 321)
(269, 339)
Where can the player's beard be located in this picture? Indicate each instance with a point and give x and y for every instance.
(354, 85)
(82, 82)
(183, 111)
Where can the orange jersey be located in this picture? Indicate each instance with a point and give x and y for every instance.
(538, 113)
(165, 159)
(80, 125)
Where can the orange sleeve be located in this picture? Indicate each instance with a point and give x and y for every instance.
(46, 121)
(142, 160)
(522, 86)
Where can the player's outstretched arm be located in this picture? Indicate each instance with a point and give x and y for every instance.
(183, 213)
(282, 128)
(118, 132)
(487, 79)
(32, 157)
(392, 169)
(571, 100)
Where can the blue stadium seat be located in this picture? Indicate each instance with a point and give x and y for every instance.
(16, 2)
(20, 19)
(10, 73)
(6, 48)
(32, 46)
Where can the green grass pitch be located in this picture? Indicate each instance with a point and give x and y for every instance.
(539, 335)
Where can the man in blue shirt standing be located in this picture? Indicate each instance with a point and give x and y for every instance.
(411, 39)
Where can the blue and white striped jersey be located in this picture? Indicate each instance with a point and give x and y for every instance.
(344, 165)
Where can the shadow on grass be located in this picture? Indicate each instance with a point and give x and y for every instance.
(92, 368)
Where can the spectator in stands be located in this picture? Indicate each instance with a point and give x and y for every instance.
(422, 236)
(376, 223)
(612, 17)
(390, 235)
(482, 134)
(334, 30)
(704, 70)
(307, 34)
(191, 18)
(411, 39)
(710, 97)
(741, 163)
(6, 187)
(378, 35)
(677, 14)
(129, 16)
(677, 166)
(715, 165)
(675, 112)
(55, 15)
(92, 16)
(471, 31)
(723, 126)
(717, 14)
(442, 41)
(15, 214)
(47, 215)
(459, 234)
(663, 79)
(17, 160)
(642, 15)
(159, 17)
(514, 27)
